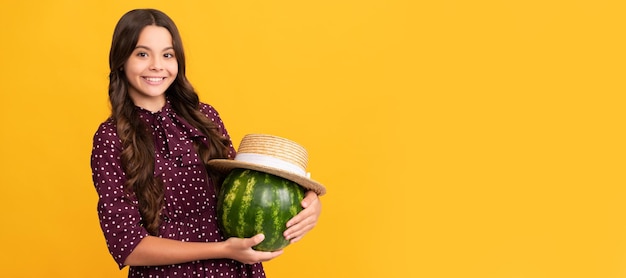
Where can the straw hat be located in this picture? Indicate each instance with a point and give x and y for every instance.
(273, 155)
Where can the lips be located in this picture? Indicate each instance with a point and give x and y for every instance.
(154, 80)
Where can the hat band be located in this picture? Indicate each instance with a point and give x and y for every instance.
(271, 161)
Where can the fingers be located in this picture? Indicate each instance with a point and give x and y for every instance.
(295, 239)
(244, 253)
(247, 243)
(254, 240)
(298, 230)
(304, 214)
(311, 205)
(305, 220)
(261, 256)
(308, 199)
(266, 256)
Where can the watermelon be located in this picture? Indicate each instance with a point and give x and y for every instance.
(252, 202)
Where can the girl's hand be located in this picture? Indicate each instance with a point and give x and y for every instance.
(302, 223)
(240, 249)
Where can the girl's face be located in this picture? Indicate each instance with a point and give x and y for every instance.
(151, 68)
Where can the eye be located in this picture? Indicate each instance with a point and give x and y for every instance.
(142, 54)
(168, 55)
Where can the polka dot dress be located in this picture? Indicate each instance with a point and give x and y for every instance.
(189, 213)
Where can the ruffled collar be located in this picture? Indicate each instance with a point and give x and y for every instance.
(179, 135)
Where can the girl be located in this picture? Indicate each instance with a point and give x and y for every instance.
(156, 197)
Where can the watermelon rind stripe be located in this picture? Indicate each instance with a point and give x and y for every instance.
(228, 199)
(246, 198)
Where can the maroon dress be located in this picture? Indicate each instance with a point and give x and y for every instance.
(190, 198)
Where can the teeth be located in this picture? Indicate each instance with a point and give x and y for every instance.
(154, 79)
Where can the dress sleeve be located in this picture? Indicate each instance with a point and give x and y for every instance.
(118, 212)
(212, 114)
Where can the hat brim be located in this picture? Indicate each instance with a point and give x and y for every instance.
(226, 165)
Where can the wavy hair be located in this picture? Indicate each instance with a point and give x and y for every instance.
(137, 156)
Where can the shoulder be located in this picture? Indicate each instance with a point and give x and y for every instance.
(209, 111)
(107, 127)
(107, 132)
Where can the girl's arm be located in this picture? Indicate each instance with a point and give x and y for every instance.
(161, 251)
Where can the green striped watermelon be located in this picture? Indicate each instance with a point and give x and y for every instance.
(252, 202)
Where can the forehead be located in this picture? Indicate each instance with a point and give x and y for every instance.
(155, 37)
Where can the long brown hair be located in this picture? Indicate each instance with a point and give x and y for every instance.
(137, 155)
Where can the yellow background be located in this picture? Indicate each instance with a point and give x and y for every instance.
(456, 138)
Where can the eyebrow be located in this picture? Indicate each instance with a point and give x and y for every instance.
(148, 48)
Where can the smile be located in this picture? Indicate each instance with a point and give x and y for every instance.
(154, 79)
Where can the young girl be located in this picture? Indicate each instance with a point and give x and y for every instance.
(156, 196)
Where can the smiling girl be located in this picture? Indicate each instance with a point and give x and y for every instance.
(156, 196)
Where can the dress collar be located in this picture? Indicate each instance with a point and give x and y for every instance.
(175, 127)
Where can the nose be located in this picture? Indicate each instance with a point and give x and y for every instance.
(156, 64)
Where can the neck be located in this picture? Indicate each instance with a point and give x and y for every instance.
(152, 104)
